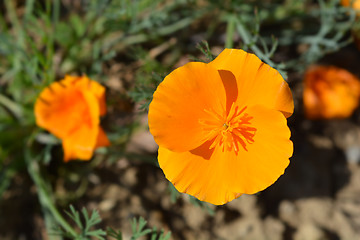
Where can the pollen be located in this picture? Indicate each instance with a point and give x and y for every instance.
(229, 130)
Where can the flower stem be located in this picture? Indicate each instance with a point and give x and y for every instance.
(44, 197)
(249, 42)
(230, 30)
(13, 107)
(246, 37)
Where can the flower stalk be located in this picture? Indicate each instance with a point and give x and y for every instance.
(44, 194)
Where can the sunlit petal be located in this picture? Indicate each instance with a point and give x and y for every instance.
(179, 102)
(258, 83)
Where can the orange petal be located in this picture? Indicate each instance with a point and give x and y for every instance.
(81, 142)
(200, 173)
(330, 92)
(355, 4)
(218, 176)
(80, 145)
(269, 155)
(179, 102)
(61, 109)
(85, 83)
(258, 83)
(102, 139)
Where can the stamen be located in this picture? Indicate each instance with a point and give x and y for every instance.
(229, 131)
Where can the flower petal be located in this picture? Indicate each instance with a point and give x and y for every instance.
(61, 109)
(85, 83)
(268, 157)
(217, 176)
(102, 139)
(330, 92)
(202, 173)
(81, 142)
(258, 83)
(179, 102)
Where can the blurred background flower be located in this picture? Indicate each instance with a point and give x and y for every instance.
(330, 92)
(352, 3)
(71, 109)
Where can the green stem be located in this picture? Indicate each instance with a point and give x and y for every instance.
(124, 41)
(12, 106)
(245, 35)
(44, 195)
(29, 7)
(230, 30)
(11, 10)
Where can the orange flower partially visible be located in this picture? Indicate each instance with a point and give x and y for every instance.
(330, 92)
(355, 30)
(355, 4)
(71, 109)
(221, 127)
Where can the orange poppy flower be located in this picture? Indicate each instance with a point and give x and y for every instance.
(330, 92)
(221, 127)
(71, 109)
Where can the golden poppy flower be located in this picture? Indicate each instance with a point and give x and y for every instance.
(330, 92)
(71, 109)
(221, 127)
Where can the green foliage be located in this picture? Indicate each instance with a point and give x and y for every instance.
(84, 222)
(328, 36)
(205, 50)
(143, 92)
(203, 205)
(114, 234)
(48, 46)
(174, 195)
(143, 21)
(335, 24)
(25, 63)
(138, 228)
(159, 236)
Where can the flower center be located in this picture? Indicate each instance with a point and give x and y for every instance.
(230, 131)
